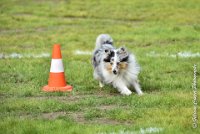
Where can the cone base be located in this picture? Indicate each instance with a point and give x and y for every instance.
(57, 89)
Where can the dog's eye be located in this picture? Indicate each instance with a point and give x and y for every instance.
(118, 63)
(111, 63)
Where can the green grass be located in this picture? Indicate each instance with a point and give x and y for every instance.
(32, 27)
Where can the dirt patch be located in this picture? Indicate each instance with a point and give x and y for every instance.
(111, 122)
(2, 95)
(146, 44)
(80, 118)
(111, 107)
(105, 121)
(70, 98)
(25, 116)
(59, 98)
(107, 107)
(53, 115)
(77, 116)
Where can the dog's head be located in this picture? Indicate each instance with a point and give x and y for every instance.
(116, 60)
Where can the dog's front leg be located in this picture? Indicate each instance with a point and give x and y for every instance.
(101, 84)
(122, 88)
(137, 87)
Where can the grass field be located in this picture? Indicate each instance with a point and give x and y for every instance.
(155, 31)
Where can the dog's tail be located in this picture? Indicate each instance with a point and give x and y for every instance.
(103, 39)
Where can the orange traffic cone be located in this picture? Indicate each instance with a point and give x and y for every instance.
(56, 80)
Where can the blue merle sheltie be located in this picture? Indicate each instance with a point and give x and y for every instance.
(115, 66)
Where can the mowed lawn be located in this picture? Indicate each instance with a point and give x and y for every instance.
(156, 31)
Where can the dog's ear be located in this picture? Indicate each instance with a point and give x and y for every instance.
(123, 48)
(123, 54)
(124, 59)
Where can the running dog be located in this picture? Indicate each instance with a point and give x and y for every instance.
(115, 66)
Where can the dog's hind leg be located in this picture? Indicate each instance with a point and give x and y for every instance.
(97, 77)
(137, 87)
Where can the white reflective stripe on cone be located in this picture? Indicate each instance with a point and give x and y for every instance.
(56, 66)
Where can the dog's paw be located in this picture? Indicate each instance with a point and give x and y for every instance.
(127, 92)
(141, 93)
(101, 84)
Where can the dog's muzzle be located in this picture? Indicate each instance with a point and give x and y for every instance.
(115, 72)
